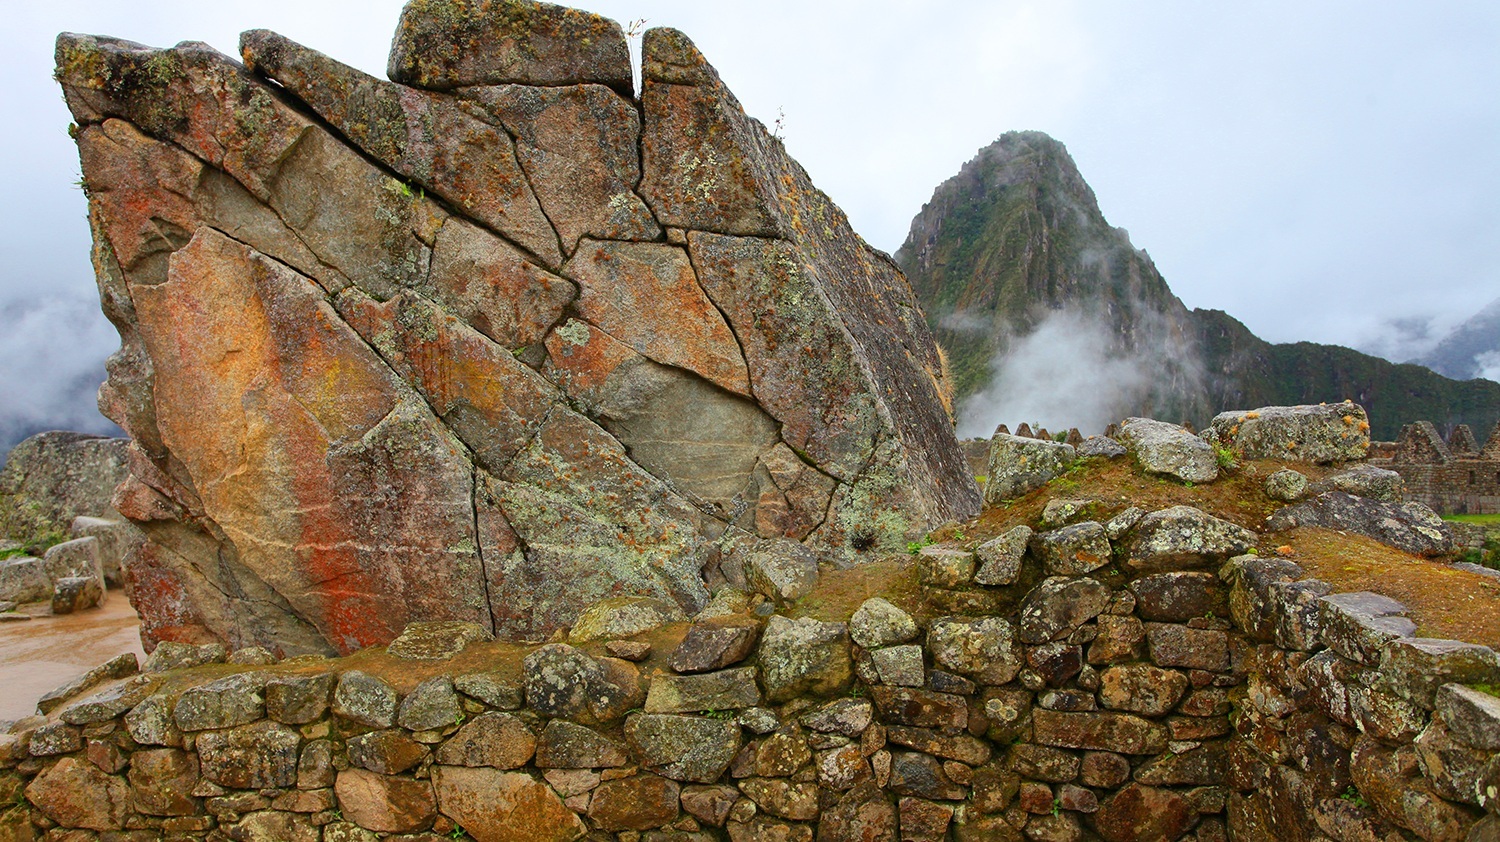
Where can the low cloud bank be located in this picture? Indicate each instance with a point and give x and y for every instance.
(52, 352)
(1070, 372)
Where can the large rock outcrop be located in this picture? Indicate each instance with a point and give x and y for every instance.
(51, 478)
(488, 343)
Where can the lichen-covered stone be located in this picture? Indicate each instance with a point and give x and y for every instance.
(849, 717)
(782, 571)
(1163, 448)
(684, 748)
(1322, 433)
(622, 617)
(1142, 688)
(170, 655)
(1359, 625)
(1410, 527)
(1000, 557)
(1099, 731)
(567, 745)
(498, 740)
(900, 665)
(432, 705)
(945, 567)
(229, 701)
(1018, 465)
(714, 643)
(76, 593)
(443, 44)
(74, 793)
(1414, 668)
(1072, 550)
(1179, 596)
(386, 804)
(493, 689)
(298, 699)
(436, 641)
(983, 648)
(1141, 813)
(730, 689)
(107, 703)
(878, 623)
(804, 656)
(388, 752)
(256, 756)
(1059, 605)
(1472, 716)
(365, 699)
(1184, 536)
(1286, 485)
(639, 802)
(1365, 481)
(162, 782)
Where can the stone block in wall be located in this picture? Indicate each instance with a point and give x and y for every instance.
(1184, 537)
(1414, 667)
(1473, 716)
(388, 804)
(1250, 581)
(691, 749)
(1359, 625)
(1072, 550)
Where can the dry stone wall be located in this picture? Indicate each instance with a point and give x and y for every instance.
(1453, 477)
(486, 343)
(1136, 680)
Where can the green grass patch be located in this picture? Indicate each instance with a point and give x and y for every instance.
(1482, 520)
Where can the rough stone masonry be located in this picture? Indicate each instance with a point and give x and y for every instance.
(488, 342)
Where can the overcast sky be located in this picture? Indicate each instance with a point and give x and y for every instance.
(1315, 169)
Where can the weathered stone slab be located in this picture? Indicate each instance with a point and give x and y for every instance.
(1163, 448)
(802, 657)
(386, 804)
(498, 740)
(1073, 550)
(1411, 527)
(453, 43)
(578, 146)
(1099, 731)
(1359, 625)
(74, 793)
(983, 648)
(1018, 465)
(1000, 557)
(1414, 668)
(1059, 605)
(256, 756)
(711, 691)
(684, 748)
(1184, 536)
(427, 137)
(1323, 433)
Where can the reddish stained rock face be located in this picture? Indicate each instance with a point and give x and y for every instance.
(508, 343)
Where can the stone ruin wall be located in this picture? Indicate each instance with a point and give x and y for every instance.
(485, 343)
(1170, 697)
(1453, 477)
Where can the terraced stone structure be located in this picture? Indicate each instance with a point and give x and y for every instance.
(486, 343)
(1197, 694)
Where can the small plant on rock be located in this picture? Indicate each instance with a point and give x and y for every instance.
(1353, 797)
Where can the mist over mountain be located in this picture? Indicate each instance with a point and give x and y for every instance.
(1051, 315)
(1470, 350)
